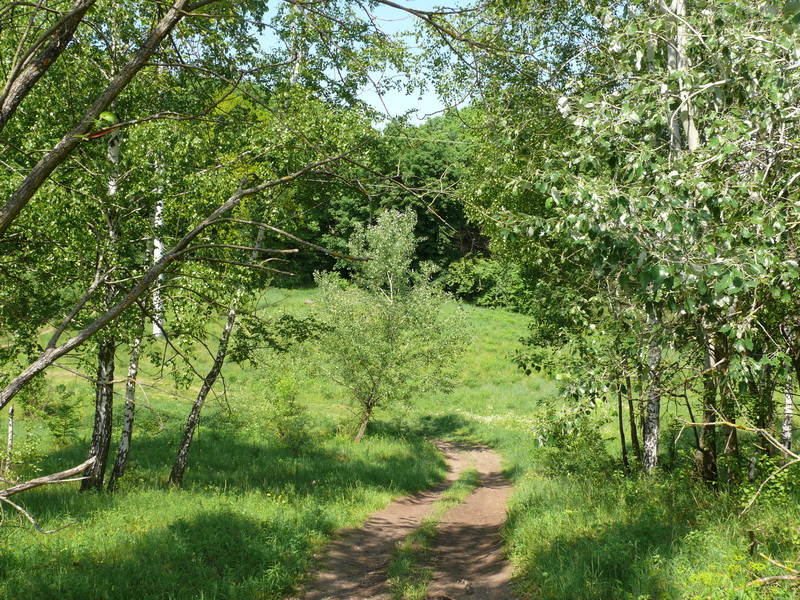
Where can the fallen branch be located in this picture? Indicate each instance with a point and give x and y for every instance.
(773, 579)
(61, 477)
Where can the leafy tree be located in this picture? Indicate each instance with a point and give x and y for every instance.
(387, 335)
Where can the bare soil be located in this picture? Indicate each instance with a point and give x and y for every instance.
(469, 561)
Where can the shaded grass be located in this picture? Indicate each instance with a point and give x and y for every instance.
(245, 525)
(252, 514)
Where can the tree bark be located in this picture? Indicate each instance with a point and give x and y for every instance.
(788, 415)
(362, 430)
(707, 459)
(623, 444)
(651, 426)
(53, 478)
(682, 122)
(179, 467)
(5, 469)
(130, 412)
(637, 450)
(104, 402)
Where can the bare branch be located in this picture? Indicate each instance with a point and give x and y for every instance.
(47, 479)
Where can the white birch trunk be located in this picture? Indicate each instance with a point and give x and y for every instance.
(104, 384)
(788, 415)
(652, 420)
(6, 467)
(158, 254)
(682, 121)
(104, 402)
(130, 412)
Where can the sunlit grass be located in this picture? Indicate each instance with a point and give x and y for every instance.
(252, 513)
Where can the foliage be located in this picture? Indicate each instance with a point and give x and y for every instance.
(290, 419)
(486, 282)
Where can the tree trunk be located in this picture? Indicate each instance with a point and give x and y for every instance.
(682, 122)
(788, 416)
(707, 459)
(104, 401)
(5, 469)
(624, 446)
(178, 469)
(637, 450)
(651, 426)
(158, 252)
(130, 411)
(363, 428)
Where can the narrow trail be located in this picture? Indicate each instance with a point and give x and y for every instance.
(469, 562)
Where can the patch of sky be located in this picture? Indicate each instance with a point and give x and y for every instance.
(390, 92)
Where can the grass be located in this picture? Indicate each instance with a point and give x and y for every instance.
(410, 568)
(252, 513)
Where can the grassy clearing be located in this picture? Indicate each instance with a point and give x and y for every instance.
(411, 566)
(252, 513)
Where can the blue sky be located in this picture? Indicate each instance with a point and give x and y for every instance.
(396, 102)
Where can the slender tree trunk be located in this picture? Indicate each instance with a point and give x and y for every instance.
(130, 412)
(158, 253)
(104, 401)
(104, 392)
(6, 466)
(622, 442)
(637, 450)
(682, 122)
(707, 459)
(731, 447)
(788, 415)
(652, 421)
(364, 422)
(178, 469)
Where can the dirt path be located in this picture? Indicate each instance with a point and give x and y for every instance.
(469, 561)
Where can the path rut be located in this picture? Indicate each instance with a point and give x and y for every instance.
(469, 562)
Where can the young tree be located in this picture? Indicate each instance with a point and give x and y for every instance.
(387, 336)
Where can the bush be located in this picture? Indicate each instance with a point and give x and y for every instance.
(290, 417)
(486, 282)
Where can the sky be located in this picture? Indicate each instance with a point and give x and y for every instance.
(397, 102)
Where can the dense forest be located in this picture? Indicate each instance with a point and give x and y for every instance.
(226, 277)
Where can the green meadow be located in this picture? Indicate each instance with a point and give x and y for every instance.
(268, 484)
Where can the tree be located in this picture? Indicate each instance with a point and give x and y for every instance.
(387, 337)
